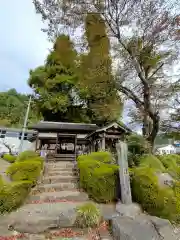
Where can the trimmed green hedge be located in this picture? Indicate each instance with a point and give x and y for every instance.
(171, 163)
(26, 155)
(13, 195)
(28, 171)
(104, 157)
(9, 158)
(161, 202)
(1, 181)
(98, 179)
(151, 161)
(36, 159)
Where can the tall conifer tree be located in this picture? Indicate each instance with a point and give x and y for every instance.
(97, 80)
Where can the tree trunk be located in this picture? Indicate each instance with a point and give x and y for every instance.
(155, 129)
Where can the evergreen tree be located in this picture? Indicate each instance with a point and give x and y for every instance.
(96, 80)
(55, 84)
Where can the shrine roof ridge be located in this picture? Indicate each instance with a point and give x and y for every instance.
(64, 125)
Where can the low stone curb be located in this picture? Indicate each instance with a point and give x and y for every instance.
(100, 233)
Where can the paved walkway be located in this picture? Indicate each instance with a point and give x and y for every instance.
(51, 205)
(3, 167)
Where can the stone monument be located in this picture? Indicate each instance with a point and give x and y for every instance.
(122, 152)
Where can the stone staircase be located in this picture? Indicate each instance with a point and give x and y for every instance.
(51, 206)
(60, 181)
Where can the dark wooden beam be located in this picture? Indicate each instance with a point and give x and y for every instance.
(36, 144)
(75, 145)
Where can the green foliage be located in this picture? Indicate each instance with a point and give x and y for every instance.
(154, 200)
(12, 109)
(104, 157)
(168, 161)
(171, 163)
(96, 80)
(13, 195)
(9, 158)
(26, 155)
(137, 146)
(151, 161)
(1, 181)
(88, 215)
(55, 84)
(27, 171)
(98, 179)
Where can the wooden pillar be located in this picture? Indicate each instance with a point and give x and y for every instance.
(36, 144)
(75, 145)
(103, 143)
(56, 144)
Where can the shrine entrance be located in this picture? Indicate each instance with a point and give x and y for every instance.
(66, 144)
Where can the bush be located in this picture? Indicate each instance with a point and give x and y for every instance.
(98, 179)
(154, 200)
(13, 195)
(170, 163)
(151, 162)
(26, 155)
(137, 146)
(1, 181)
(104, 157)
(28, 171)
(35, 159)
(9, 158)
(88, 215)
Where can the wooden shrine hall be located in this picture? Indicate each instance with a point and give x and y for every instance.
(67, 140)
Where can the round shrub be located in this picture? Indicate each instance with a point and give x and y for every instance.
(169, 161)
(28, 170)
(152, 162)
(88, 215)
(104, 157)
(35, 159)
(27, 155)
(13, 195)
(9, 158)
(100, 180)
(157, 201)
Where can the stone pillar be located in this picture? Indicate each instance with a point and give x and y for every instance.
(122, 152)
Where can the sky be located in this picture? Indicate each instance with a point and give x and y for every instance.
(23, 46)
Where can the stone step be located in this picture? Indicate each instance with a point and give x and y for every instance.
(67, 195)
(60, 159)
(60, 168)
(54, 187)
(60, 173)
(59, 179)
(62, 165)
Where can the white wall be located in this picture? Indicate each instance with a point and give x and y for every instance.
(170, 149)
(14, 143)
